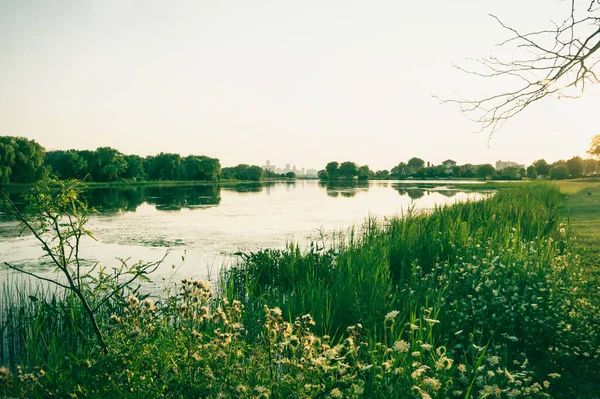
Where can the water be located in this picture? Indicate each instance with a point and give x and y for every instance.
(203, 226)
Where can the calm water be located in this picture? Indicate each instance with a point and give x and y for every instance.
(206, 224)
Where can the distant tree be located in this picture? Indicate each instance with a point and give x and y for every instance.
(348, 170)
(559, 172)
(575, 166)
(511, 172)
(332, 169)
(455, 171)
(165, 166)
(590, 166)
(243, 172)
(200, 167)
(255, 173)
(134, 168)
(107, 164)
(21, 160)
(485, 171)
(468, 171)
(364, 172)
(323, 174)
(382, 174)
(290, 175)
(531, 172)
(414, 164)
(7, 161)
(66, 164)
(399, 171)
(542, 167)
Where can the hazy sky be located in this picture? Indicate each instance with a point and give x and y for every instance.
(299, 82)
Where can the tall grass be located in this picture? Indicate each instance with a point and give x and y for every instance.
(361, 276)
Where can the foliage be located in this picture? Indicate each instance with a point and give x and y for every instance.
(542, 167)
(21, 160)
(243, 172)
(559, 172)
(485, 171)
(575, 166)
(595, 146)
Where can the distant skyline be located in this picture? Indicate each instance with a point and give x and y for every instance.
(303, 83)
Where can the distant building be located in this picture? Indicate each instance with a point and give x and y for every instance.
(505, 164)
(311, 172)
(268, 166)
(449, 164)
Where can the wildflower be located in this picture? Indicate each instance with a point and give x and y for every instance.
(401, 346)
(546, 384)
(431, 321)
(241, 389)
(336, 393)
(4, 373)
(133, 301)
(115, 319)
(391, 315)
(462, 368)
(276, 312)
(149, 304)
(554, 375)
(494, 360)
(432, 383)
(426, 347)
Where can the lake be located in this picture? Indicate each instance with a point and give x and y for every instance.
(205, 225)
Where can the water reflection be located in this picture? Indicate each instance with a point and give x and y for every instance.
(117, 199)
(175, 198)
(344, 188)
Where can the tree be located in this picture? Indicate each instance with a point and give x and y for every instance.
(553, 61)
(7, 161)
(135, 168)
(485, 171)
(348, 170)
(21, 160)
(590, 166)
(364, 172)
(290, 175)
(559, 172)
(332, 169)
(531, 172)
(399, 170)
(165, 166)
(66, 164)
(575, 166)
(107, 164)
(542, 167)
(414, 164)
(323, 174)
(382, 174)
(595, 147)
(200, 167)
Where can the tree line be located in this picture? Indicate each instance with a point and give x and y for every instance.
(415, 168)
(26, 161)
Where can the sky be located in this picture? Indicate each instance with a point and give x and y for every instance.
(295, 82)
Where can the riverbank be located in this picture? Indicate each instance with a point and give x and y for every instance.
(482, 298)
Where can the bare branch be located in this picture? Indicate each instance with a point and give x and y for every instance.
(549, 62)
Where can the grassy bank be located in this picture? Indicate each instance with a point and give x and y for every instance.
(481, 299)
